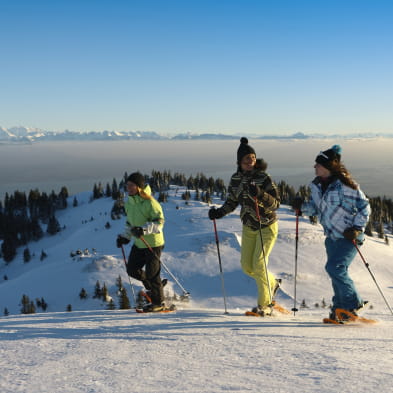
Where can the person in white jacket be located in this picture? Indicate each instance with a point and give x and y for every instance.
(343, 211)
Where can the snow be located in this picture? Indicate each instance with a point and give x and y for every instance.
(198, 348)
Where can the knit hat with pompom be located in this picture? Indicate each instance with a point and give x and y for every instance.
(244, 149)
(326, 158)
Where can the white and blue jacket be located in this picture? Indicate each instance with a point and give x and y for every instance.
(338, 208)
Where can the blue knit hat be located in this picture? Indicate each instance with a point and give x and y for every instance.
(326, 158)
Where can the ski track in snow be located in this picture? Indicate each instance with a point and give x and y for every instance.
(191, 350)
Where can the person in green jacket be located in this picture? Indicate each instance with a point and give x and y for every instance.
(145, 218)
(253, 189)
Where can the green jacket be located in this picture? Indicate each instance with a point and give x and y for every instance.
(238, 194)
(148, 214)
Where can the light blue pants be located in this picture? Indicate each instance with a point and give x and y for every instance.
(340, 254)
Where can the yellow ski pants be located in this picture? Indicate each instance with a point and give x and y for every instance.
(253, 260)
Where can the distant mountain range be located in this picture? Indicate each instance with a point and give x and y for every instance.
(30, 135)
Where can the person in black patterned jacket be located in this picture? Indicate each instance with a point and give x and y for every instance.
(250, 187)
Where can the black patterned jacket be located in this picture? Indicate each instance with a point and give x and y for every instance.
(238, 193)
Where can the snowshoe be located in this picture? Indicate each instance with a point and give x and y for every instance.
(156, 308)
(343, 317)
(279, 308)
(260, 311)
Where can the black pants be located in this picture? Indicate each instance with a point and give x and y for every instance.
(150, 277)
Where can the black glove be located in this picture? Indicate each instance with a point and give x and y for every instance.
(215, 214)
(121, 240)
(297, 203)
(137, 231)
(351, 233)
(254, 190)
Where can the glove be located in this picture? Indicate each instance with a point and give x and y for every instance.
(254, 190)
(297, 204)
(137, 232)
(215, 213)
(351, 233)
(121, 240)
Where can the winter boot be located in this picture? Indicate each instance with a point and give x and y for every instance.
(360, 307)
(263, 311)
(164, 281)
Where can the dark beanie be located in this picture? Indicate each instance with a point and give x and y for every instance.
(137, 178)
(244, 149)
(326, 158)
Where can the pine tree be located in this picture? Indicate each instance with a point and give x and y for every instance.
(115, 190)
(83, 294)
(44, 304)
(35, 229)
(26, 255)
(62, 198)
(97, 291)
(119, 283)
(98, 191)
(27, 305)
(186, 195)
(108, 190)
(197, 195)
(53, 226)
(8, 248)
(303, 304)
(369, 229)
(111, 305)
(381, 231)
(104, 293)
(124, 301)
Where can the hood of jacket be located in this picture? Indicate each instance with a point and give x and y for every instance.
(135, 199)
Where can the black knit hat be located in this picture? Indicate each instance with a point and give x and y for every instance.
(326, 158)
(137, 178)
(244, 149)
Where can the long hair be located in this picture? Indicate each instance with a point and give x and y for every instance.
(339, 171)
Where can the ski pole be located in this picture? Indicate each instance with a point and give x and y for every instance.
(294, 309)
(186, 294)
(372, 275)
(221, 272)
(129, 279)
(263, 251)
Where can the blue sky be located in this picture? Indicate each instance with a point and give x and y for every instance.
(244, 67)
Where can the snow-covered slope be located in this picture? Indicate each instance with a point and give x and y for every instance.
(198, 348)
